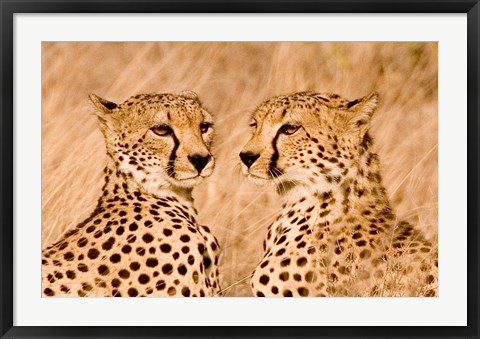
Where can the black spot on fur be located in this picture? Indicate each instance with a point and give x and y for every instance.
(264, 279)
(124, 274)
(93, 253)
(147, 237)
(143, 279)
(167, 269)
(152, 262)
(103, 270)
(165, 248)
(132, 292)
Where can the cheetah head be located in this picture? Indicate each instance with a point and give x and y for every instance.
(306, 138)
(158, 140)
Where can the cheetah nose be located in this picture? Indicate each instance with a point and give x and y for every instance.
(199, 161)
(248, 158)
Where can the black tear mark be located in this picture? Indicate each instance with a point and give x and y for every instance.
(274, 170)
(173, 156)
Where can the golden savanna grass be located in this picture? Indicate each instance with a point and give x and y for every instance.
(231, 79)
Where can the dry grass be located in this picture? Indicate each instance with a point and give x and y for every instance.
(231, 78)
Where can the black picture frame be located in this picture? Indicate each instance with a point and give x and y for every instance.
(10, 7)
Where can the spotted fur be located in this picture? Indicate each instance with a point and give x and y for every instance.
(143, 239)
(336, 234)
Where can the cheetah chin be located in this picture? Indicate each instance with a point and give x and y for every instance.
(257, 180)
(190, 182)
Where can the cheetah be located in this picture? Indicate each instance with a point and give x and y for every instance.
(336, 234)
(143, 239)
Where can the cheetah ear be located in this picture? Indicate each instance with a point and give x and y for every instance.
(189, 95)
(101, 105)
(362, 110)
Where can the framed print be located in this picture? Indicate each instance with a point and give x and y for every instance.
(239, 169)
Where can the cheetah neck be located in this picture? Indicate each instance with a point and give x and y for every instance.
(358, 197)
(118, 185)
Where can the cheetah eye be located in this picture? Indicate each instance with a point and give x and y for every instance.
(289, 129)
(205, 126)
(253, 124)
(162, 130)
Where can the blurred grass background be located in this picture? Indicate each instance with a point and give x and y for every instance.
(231, 79)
